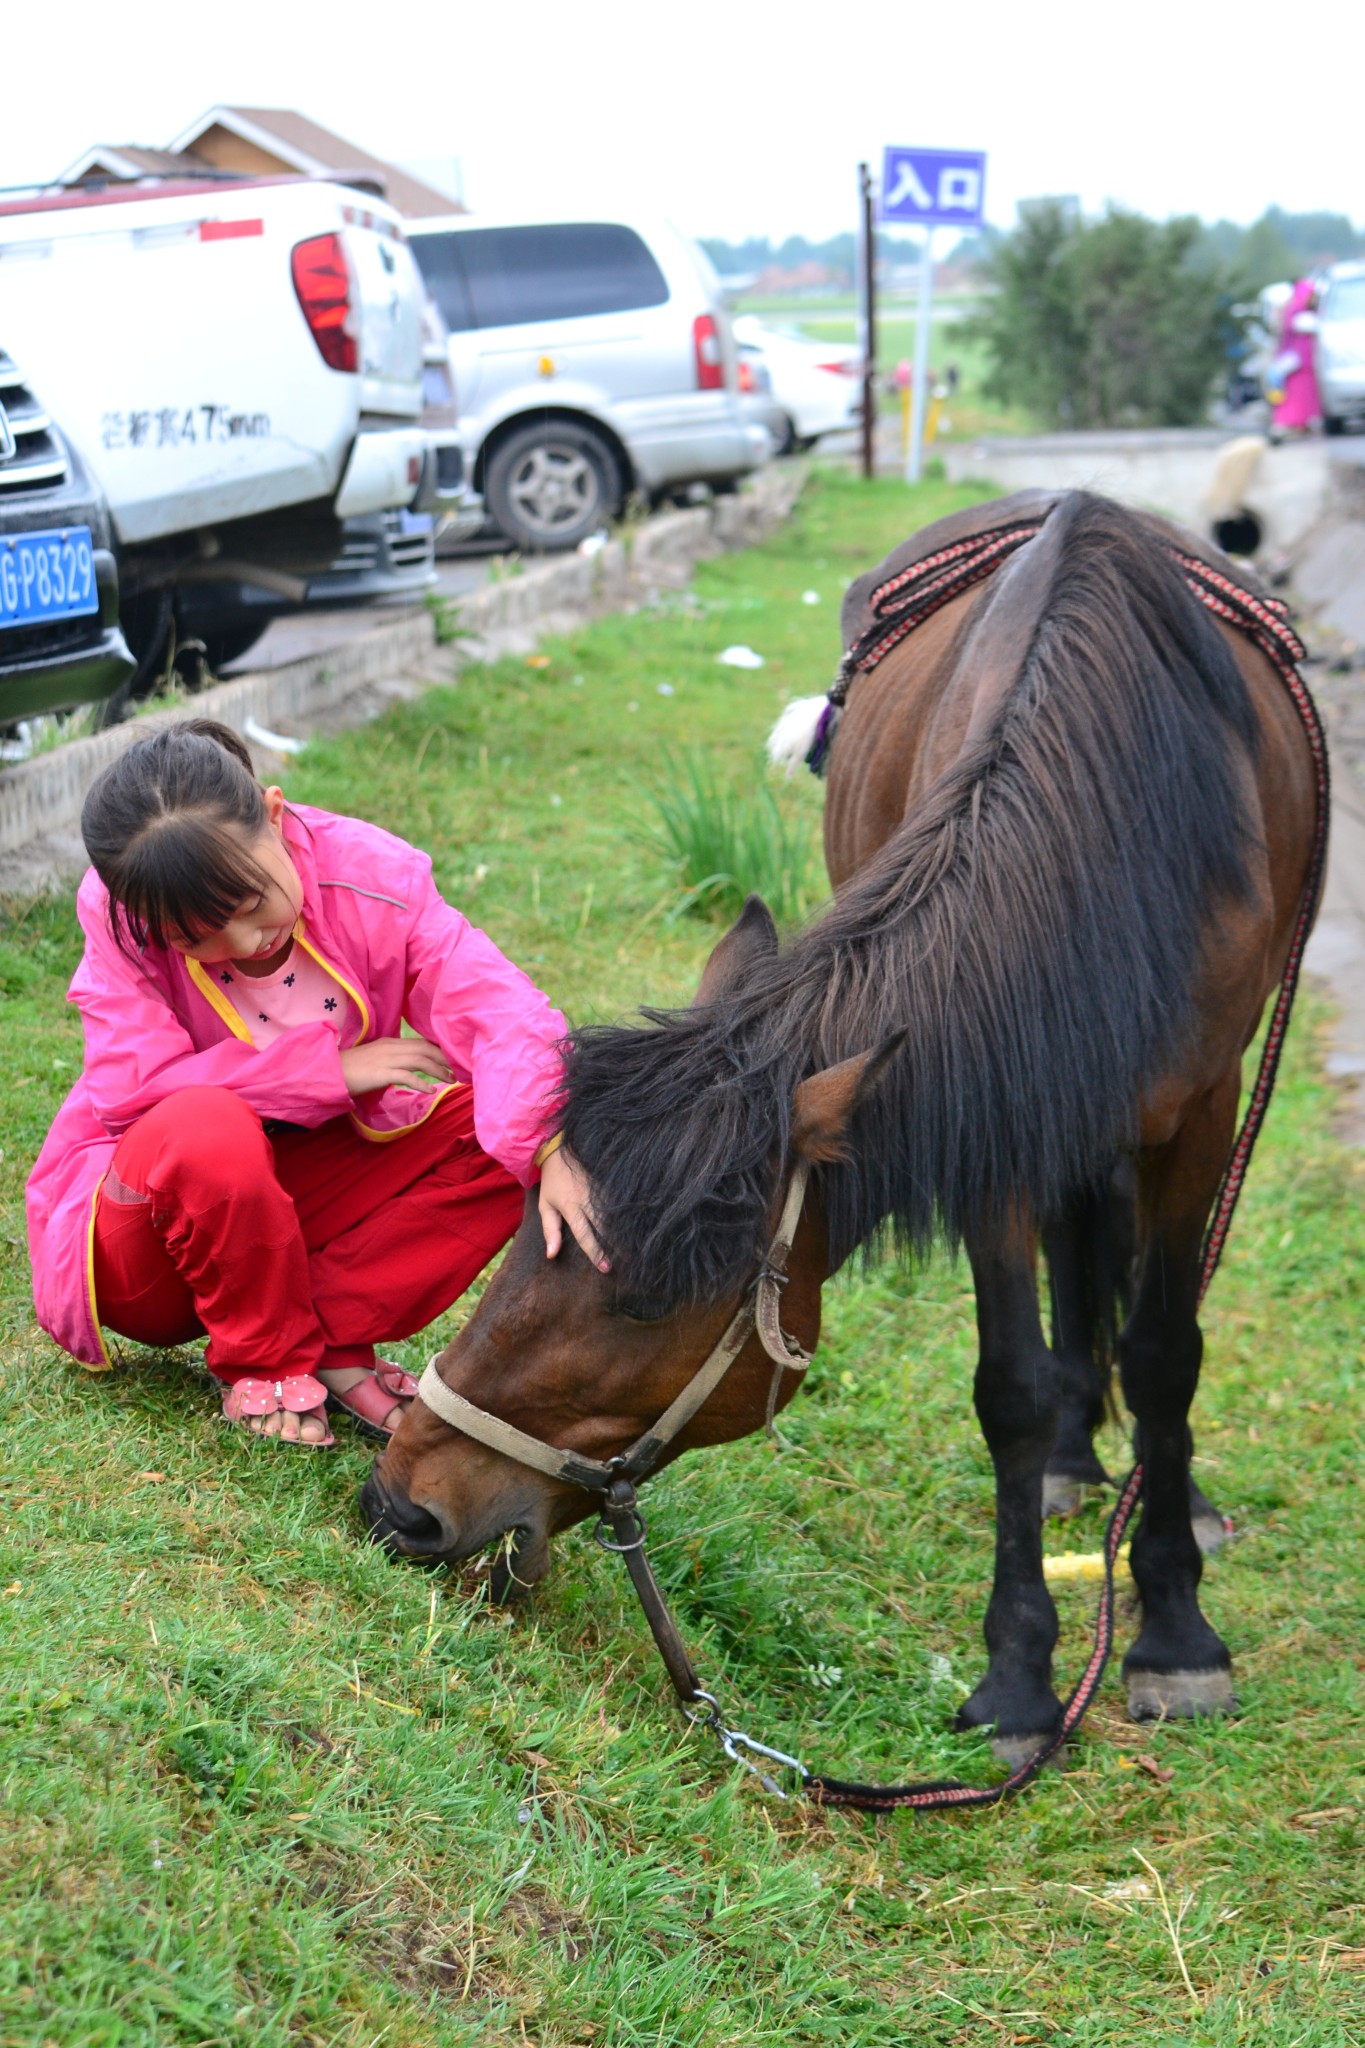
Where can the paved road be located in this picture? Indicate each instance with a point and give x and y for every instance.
(314, 632)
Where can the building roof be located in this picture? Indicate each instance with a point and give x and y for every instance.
(306, 145)
(125, 160)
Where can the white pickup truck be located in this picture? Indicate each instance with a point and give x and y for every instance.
(240, 361)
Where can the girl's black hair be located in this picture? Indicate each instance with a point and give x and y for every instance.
(169, 827)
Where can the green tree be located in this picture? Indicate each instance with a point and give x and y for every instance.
(1120, 321)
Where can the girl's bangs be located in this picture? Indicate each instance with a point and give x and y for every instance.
(186, 878)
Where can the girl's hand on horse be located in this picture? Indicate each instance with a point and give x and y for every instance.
(566, 1197)
(394, 1063)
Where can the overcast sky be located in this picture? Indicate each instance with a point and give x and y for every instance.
(749, 118)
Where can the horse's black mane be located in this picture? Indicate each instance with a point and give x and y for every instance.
(1033, 926)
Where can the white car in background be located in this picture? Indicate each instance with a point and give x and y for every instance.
(591, 358)
(817, 386)
(1340, 328)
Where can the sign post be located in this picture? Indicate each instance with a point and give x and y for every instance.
(867, 248)
(932, 188)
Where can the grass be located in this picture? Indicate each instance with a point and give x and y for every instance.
(731, 842)
(263, 1788)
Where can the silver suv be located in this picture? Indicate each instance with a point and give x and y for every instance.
(591, 358)
(1340, 356)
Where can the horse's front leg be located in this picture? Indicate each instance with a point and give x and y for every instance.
(1178, 1665)
(1017, 1393)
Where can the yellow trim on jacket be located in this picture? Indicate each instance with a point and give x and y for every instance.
(108, 1364)
(340, 979)
(216, 1000)
(401, 1130)
(213, 995)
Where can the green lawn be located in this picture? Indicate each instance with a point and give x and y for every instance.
(263, 1788)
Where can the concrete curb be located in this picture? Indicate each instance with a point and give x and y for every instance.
(41, 799)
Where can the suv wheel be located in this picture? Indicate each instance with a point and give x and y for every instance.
(550, 486)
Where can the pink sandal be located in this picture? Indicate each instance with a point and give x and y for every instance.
(301, 1395)
(370, 1399)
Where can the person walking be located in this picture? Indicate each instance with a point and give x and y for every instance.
(1297, 407)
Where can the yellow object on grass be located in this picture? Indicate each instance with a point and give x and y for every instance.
(1082, 1564)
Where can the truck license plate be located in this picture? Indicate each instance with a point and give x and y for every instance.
(47, 575)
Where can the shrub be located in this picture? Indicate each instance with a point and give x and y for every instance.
(1121, 321)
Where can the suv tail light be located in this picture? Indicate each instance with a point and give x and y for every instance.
(322, 279)
(710, 362)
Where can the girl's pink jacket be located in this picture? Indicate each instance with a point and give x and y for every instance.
(157, 1022)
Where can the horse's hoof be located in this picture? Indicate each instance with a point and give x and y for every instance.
(1178, 1695)
(1014, 1750)
(1064, 1493)
(1211, 1531)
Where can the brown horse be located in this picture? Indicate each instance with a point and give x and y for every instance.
(1070, 823)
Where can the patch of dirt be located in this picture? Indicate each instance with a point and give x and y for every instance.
(533, 1912)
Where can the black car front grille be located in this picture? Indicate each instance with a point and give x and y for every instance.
(48, 639)
(31, 455)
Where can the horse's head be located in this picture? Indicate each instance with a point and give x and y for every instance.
(587, 1363)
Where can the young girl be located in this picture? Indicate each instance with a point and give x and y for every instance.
(253, 1152)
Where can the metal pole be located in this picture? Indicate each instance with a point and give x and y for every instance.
(869, 323)
(915, 465)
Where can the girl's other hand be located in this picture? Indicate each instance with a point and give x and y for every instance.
(566, 1197)
(394, 1063)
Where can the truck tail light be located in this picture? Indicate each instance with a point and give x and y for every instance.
(322, 279)
(710, 362)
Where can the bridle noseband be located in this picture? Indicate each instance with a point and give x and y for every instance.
(621, 1526)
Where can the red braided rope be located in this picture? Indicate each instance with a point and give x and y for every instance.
(886, 1798)
(931, 584)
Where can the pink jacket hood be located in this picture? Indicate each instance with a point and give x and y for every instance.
(155, 1022)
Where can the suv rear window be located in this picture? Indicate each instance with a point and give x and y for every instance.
(500, 277)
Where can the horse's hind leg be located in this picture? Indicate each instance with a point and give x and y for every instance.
(1089, 1249)
(1016, 1401)
(1178, 1665)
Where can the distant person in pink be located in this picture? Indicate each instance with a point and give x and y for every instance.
(1299, 407)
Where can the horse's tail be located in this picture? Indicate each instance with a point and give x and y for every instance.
(1090, 1249)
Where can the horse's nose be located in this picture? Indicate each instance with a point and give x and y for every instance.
(399, 1523)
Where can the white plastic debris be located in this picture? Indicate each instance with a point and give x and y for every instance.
(740, 657)
(278, 742)
(665, 689)
(593, 543)
(810, 597)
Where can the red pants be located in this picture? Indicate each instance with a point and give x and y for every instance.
(286, 1244)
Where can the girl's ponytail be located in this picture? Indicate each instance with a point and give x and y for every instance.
(170, 826)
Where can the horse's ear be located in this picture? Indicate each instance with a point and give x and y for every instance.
(752, 937)
(825, 1102)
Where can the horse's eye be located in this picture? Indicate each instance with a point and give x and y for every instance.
(635, 1310)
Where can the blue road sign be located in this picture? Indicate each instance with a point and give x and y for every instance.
(938, 188)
